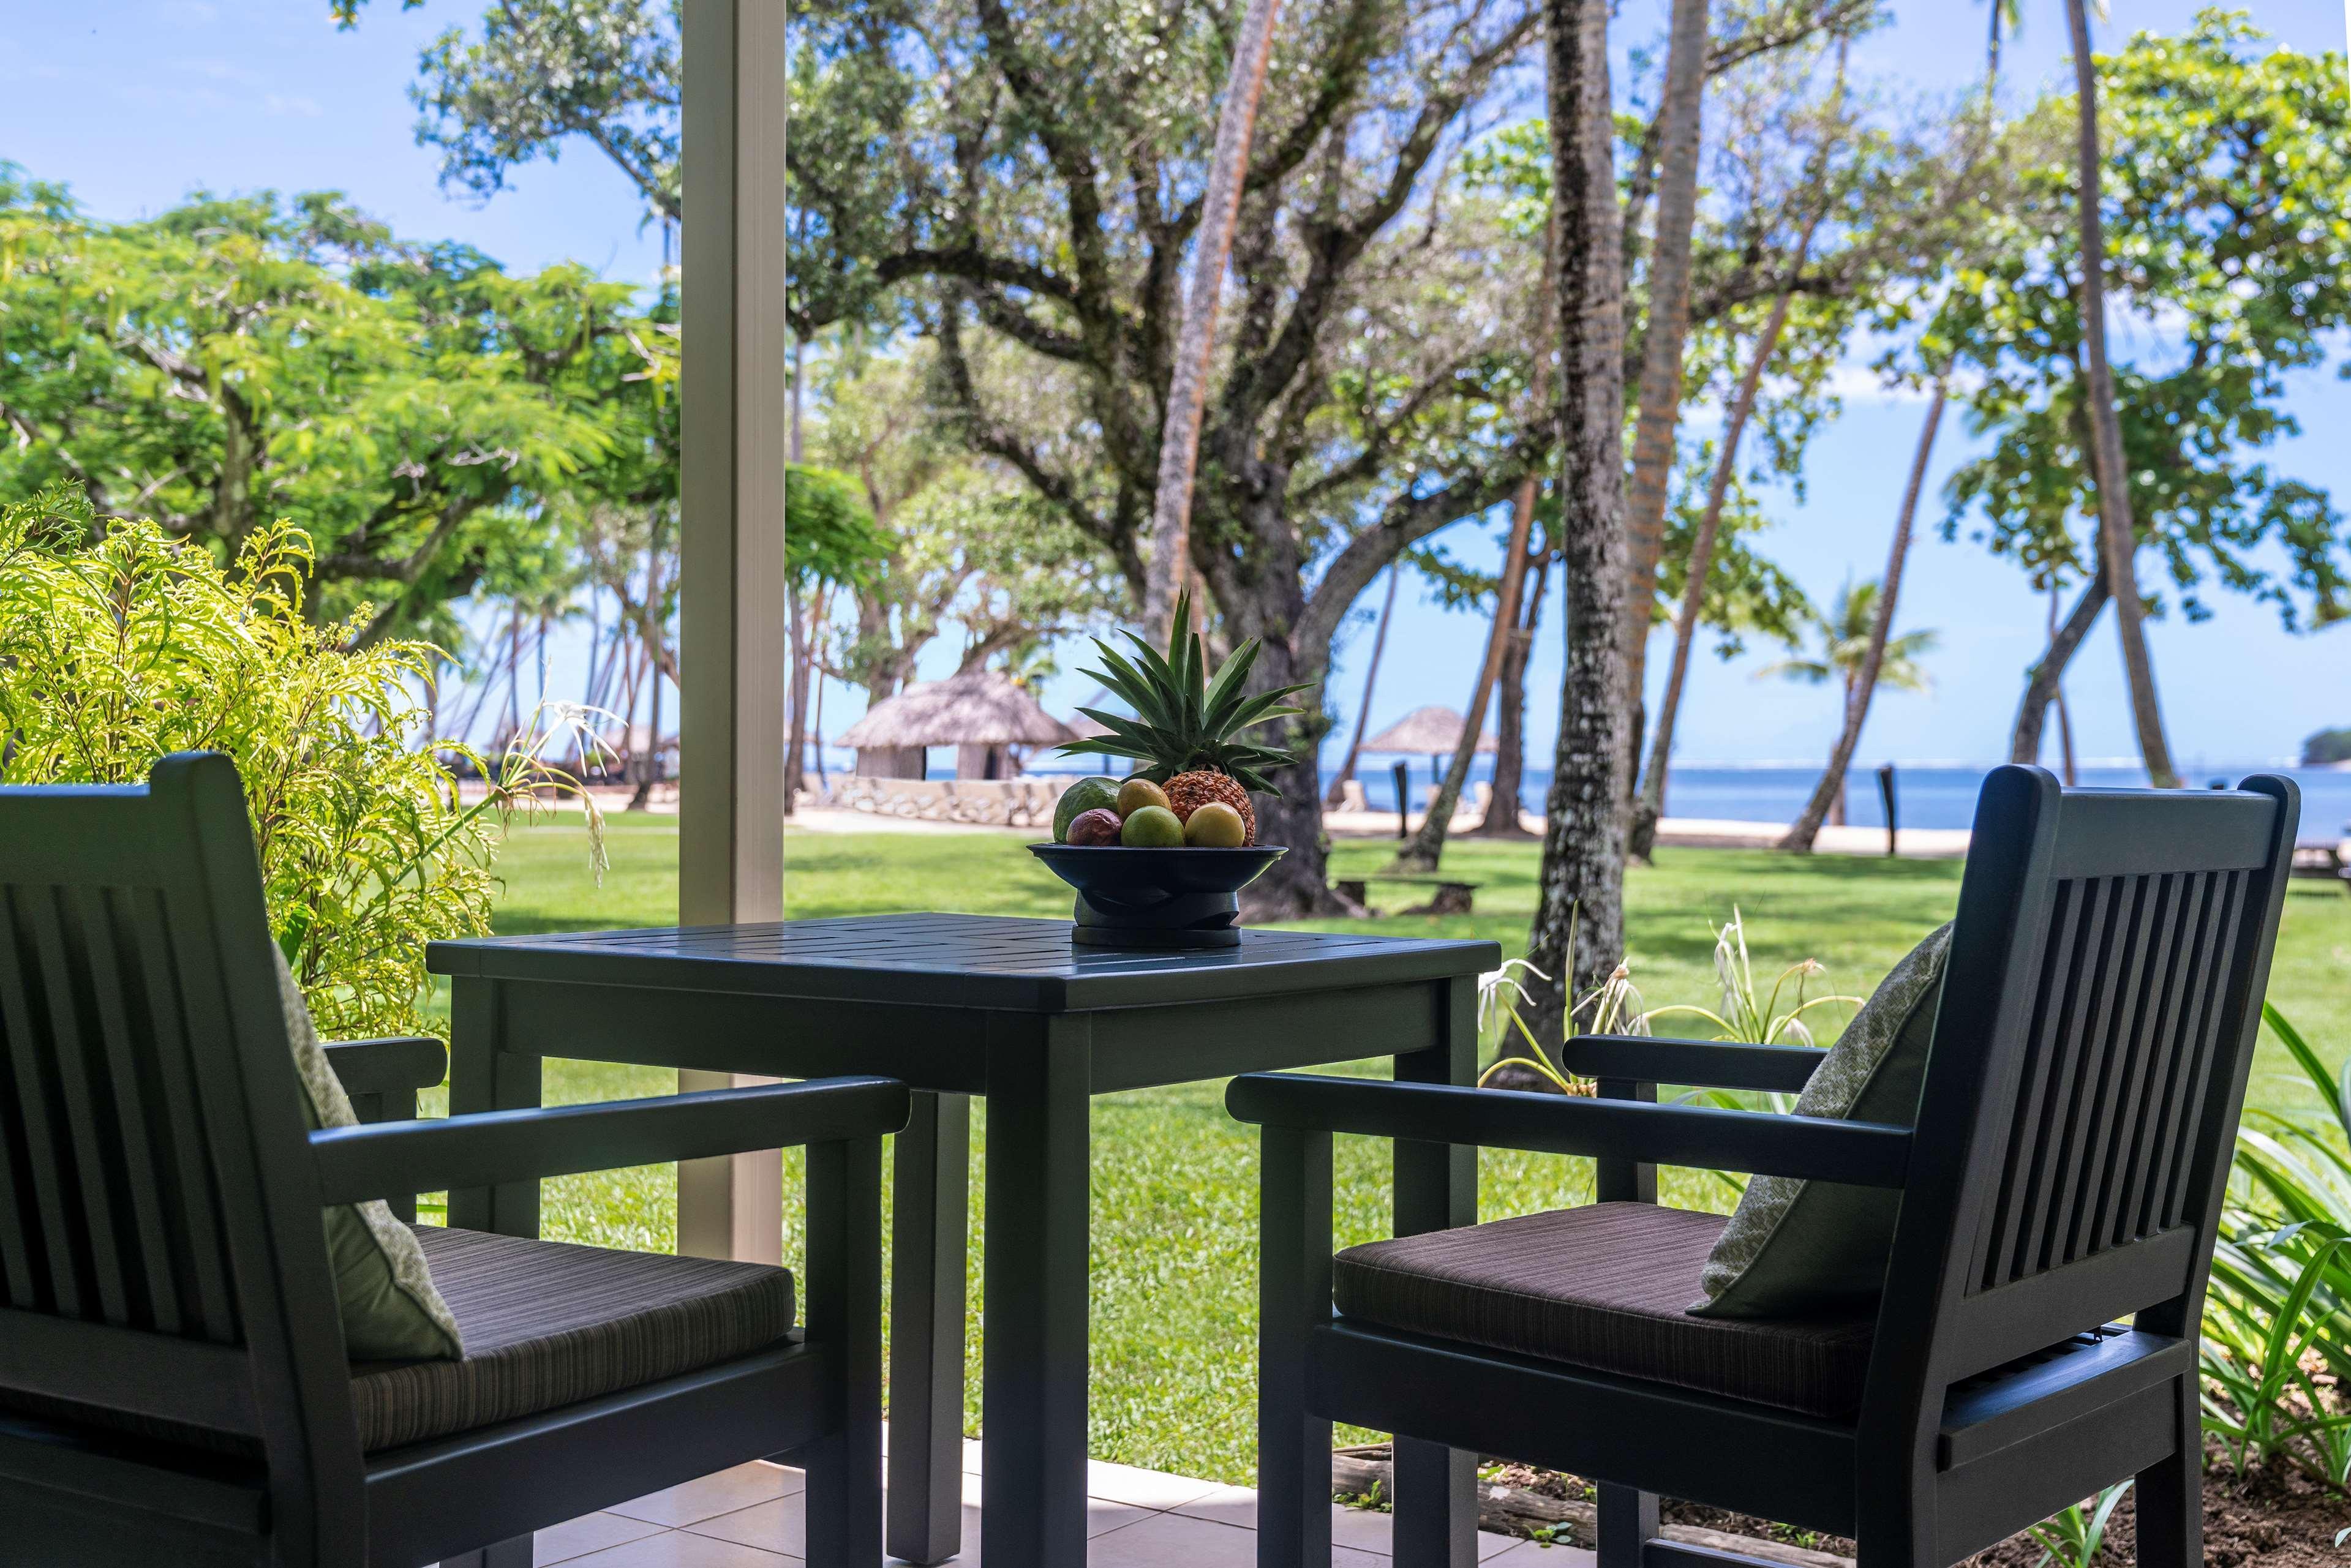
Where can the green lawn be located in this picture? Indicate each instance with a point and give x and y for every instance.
(1175, 1179)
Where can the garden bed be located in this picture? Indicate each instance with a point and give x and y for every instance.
(2274, 1520)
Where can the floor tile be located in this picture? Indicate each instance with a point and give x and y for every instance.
(588, 1532)
(676, 1549)
(713, 1495)
(1143, 1489)
(1535, 1554)
(782, 1525)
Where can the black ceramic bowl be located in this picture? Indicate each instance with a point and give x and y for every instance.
(1156, 898)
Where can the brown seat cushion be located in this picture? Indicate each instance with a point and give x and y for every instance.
(546, 1324)
(1604, 1286)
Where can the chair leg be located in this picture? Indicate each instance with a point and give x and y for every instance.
(514, 1552)
(1293, 1443)
(1435, 1505)
(845, 1309)
(1628, 1522)
(2169, 1497)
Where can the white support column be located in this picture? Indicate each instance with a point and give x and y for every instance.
(731, 536)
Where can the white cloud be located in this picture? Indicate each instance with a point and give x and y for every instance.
(293, 104)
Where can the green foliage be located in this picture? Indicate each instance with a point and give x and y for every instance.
(1845, 645)
(119, 644)
(830, 534)
(2226, 196)
(2277, 1326)
(2326, 747)
(2072, 1540)
(410, 407)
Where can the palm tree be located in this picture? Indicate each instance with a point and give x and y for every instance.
(1847, 635)
(1188, 389)
(2117, 533)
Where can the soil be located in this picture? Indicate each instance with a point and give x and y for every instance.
(2273, 1519)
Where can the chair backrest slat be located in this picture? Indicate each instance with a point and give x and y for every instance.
(2209, 1032)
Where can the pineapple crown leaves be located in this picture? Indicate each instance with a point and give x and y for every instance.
(1182, 718)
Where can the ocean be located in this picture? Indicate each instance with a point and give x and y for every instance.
(1936, 795)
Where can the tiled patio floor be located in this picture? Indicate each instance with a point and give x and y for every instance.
(750, 1517)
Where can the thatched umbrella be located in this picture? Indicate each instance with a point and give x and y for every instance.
(980, 713)
(1432, 731)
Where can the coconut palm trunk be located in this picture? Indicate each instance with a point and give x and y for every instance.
(1828, 793)
(1668, 326)
(1582, 882)
(1338, 790)
(2048, 675)
(1428, 847)
(2118, 532)
(1652, 803)
(1195, 339)
(1510, 720)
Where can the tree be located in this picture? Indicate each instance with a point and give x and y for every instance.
(1581, 881)
(1661, 382)
(2118, 537)
(232, 361)
(1856, 654)
(2227, 178)
(1364, 709)
(1892, 662)
(830, 540)
(1188, 389)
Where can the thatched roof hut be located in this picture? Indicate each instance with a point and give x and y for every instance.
(981, 713)
(1432, 731)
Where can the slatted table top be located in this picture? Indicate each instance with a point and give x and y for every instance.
(961, 960)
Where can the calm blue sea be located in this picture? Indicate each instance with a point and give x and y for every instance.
(1925, 796)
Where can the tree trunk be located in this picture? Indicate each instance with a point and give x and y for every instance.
(1582, 883)
(802, 632)
(1363, 709)
(1510, 724)
(1187, 388)
(1298, 886)
(2118, 532)
(2064, 719)
(1829, 791)
(1668, 326)
(2025, 746)
(1428, 847)
(1652, 803)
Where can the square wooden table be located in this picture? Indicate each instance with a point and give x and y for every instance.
(958, 1005)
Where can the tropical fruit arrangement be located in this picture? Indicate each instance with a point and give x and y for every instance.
(1194, 769)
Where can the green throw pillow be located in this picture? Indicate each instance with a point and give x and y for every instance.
(1800, 1248)
(390, 1308)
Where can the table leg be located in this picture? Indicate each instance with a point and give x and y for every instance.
(1033, 1388)
(484, 1076)
(1436, 1189)
(930, 1217)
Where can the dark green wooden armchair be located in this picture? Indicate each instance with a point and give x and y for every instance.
(173, 1382)
(2082, 1082)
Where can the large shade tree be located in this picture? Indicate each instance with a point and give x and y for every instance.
(232, 361)
(2226, 197)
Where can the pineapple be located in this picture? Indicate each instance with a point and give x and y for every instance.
(1185, 734)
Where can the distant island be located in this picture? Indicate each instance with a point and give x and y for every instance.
(2327, 748)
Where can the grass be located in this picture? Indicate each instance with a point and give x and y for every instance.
(1174, 1203)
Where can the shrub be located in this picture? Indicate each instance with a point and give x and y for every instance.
(2277, 1325)
(121, 644)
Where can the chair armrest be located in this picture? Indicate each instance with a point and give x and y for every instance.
(1861, 1154)
(395, 1158)
(401, 1064)
(1712, 1064)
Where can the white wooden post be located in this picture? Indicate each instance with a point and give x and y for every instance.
(731, 536)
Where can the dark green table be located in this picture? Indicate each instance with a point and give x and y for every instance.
(958, 1005)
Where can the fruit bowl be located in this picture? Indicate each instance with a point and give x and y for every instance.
(1157, 897)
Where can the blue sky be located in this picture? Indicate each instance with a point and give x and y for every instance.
(136, 102)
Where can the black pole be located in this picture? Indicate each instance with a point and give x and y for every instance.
(1886, 793)
(1402, 775)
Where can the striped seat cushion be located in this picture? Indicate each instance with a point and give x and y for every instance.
(548, 1324)
(1604, 1286)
